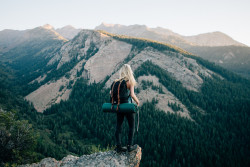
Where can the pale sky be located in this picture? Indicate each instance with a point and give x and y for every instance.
(186, 17)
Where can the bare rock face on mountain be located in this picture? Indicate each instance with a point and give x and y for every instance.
(109, 158)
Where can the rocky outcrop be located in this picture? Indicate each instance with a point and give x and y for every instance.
(100, 159)
(105, 62)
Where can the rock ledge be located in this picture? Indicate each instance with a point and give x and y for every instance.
(100, 159)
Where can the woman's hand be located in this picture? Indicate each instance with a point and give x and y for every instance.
(138, 103)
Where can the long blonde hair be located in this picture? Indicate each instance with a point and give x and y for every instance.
(126, 73)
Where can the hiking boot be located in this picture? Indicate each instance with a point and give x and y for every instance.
(131, 147)
(120, 149)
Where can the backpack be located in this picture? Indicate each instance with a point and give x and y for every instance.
(123, 92)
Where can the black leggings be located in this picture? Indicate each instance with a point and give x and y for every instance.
(131, 122)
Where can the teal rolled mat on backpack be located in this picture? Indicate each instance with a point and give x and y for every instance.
(123, 108)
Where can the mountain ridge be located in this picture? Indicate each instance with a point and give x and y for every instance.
(215, 38)
(143, 31)
(10, 39)
(199, 40)
(95, 55)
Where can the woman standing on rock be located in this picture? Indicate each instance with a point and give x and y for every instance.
(124, 87)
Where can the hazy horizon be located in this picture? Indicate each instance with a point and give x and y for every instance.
(184, 17)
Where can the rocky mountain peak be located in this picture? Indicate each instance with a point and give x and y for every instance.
(10, 39)
(48, 26)
(44, 32)
(109, 158)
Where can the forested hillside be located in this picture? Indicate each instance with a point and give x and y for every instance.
(216, 135)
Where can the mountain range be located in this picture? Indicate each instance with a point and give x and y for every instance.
(94, 53)
(215, 47)
(192, 113)
(170, 37)
(87, 54)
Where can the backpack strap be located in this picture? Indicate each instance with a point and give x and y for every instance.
(118, 95)
(112, 95)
